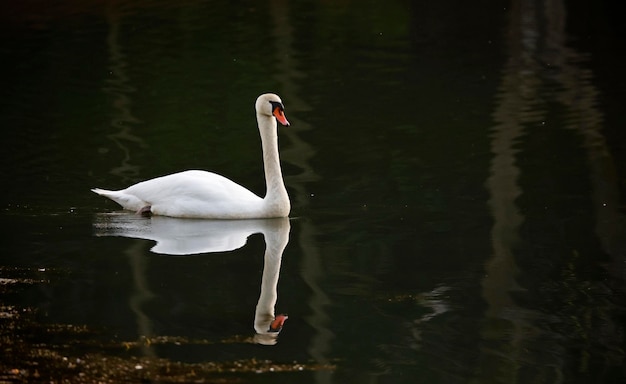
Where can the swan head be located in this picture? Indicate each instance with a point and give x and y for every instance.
(269, 104)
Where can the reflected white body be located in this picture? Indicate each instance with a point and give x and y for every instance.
(175, 236)
(201, 194)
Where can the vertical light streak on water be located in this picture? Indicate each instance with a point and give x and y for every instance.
(122, 118)
(503, 352)
(119, 88)
(579, 97)
(141, 294)
(578, 94)
(299, 155)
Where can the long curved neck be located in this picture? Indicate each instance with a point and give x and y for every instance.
(276, 192)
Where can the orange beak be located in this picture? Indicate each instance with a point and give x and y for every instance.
(278, 322)
(280, 116)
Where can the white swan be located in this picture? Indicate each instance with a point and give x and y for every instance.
(201, 194)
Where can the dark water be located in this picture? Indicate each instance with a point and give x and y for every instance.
(456, 171)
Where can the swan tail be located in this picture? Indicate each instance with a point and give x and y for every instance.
(101, 192)
(124, 199)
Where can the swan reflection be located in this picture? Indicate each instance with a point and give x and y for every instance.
(191, 237)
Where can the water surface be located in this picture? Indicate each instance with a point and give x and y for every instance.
(456, 174)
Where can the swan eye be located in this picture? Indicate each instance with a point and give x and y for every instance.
(276, 104)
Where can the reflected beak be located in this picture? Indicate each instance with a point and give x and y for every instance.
(279, 321)
(280, 116)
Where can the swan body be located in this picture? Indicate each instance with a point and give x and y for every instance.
(201, 194)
